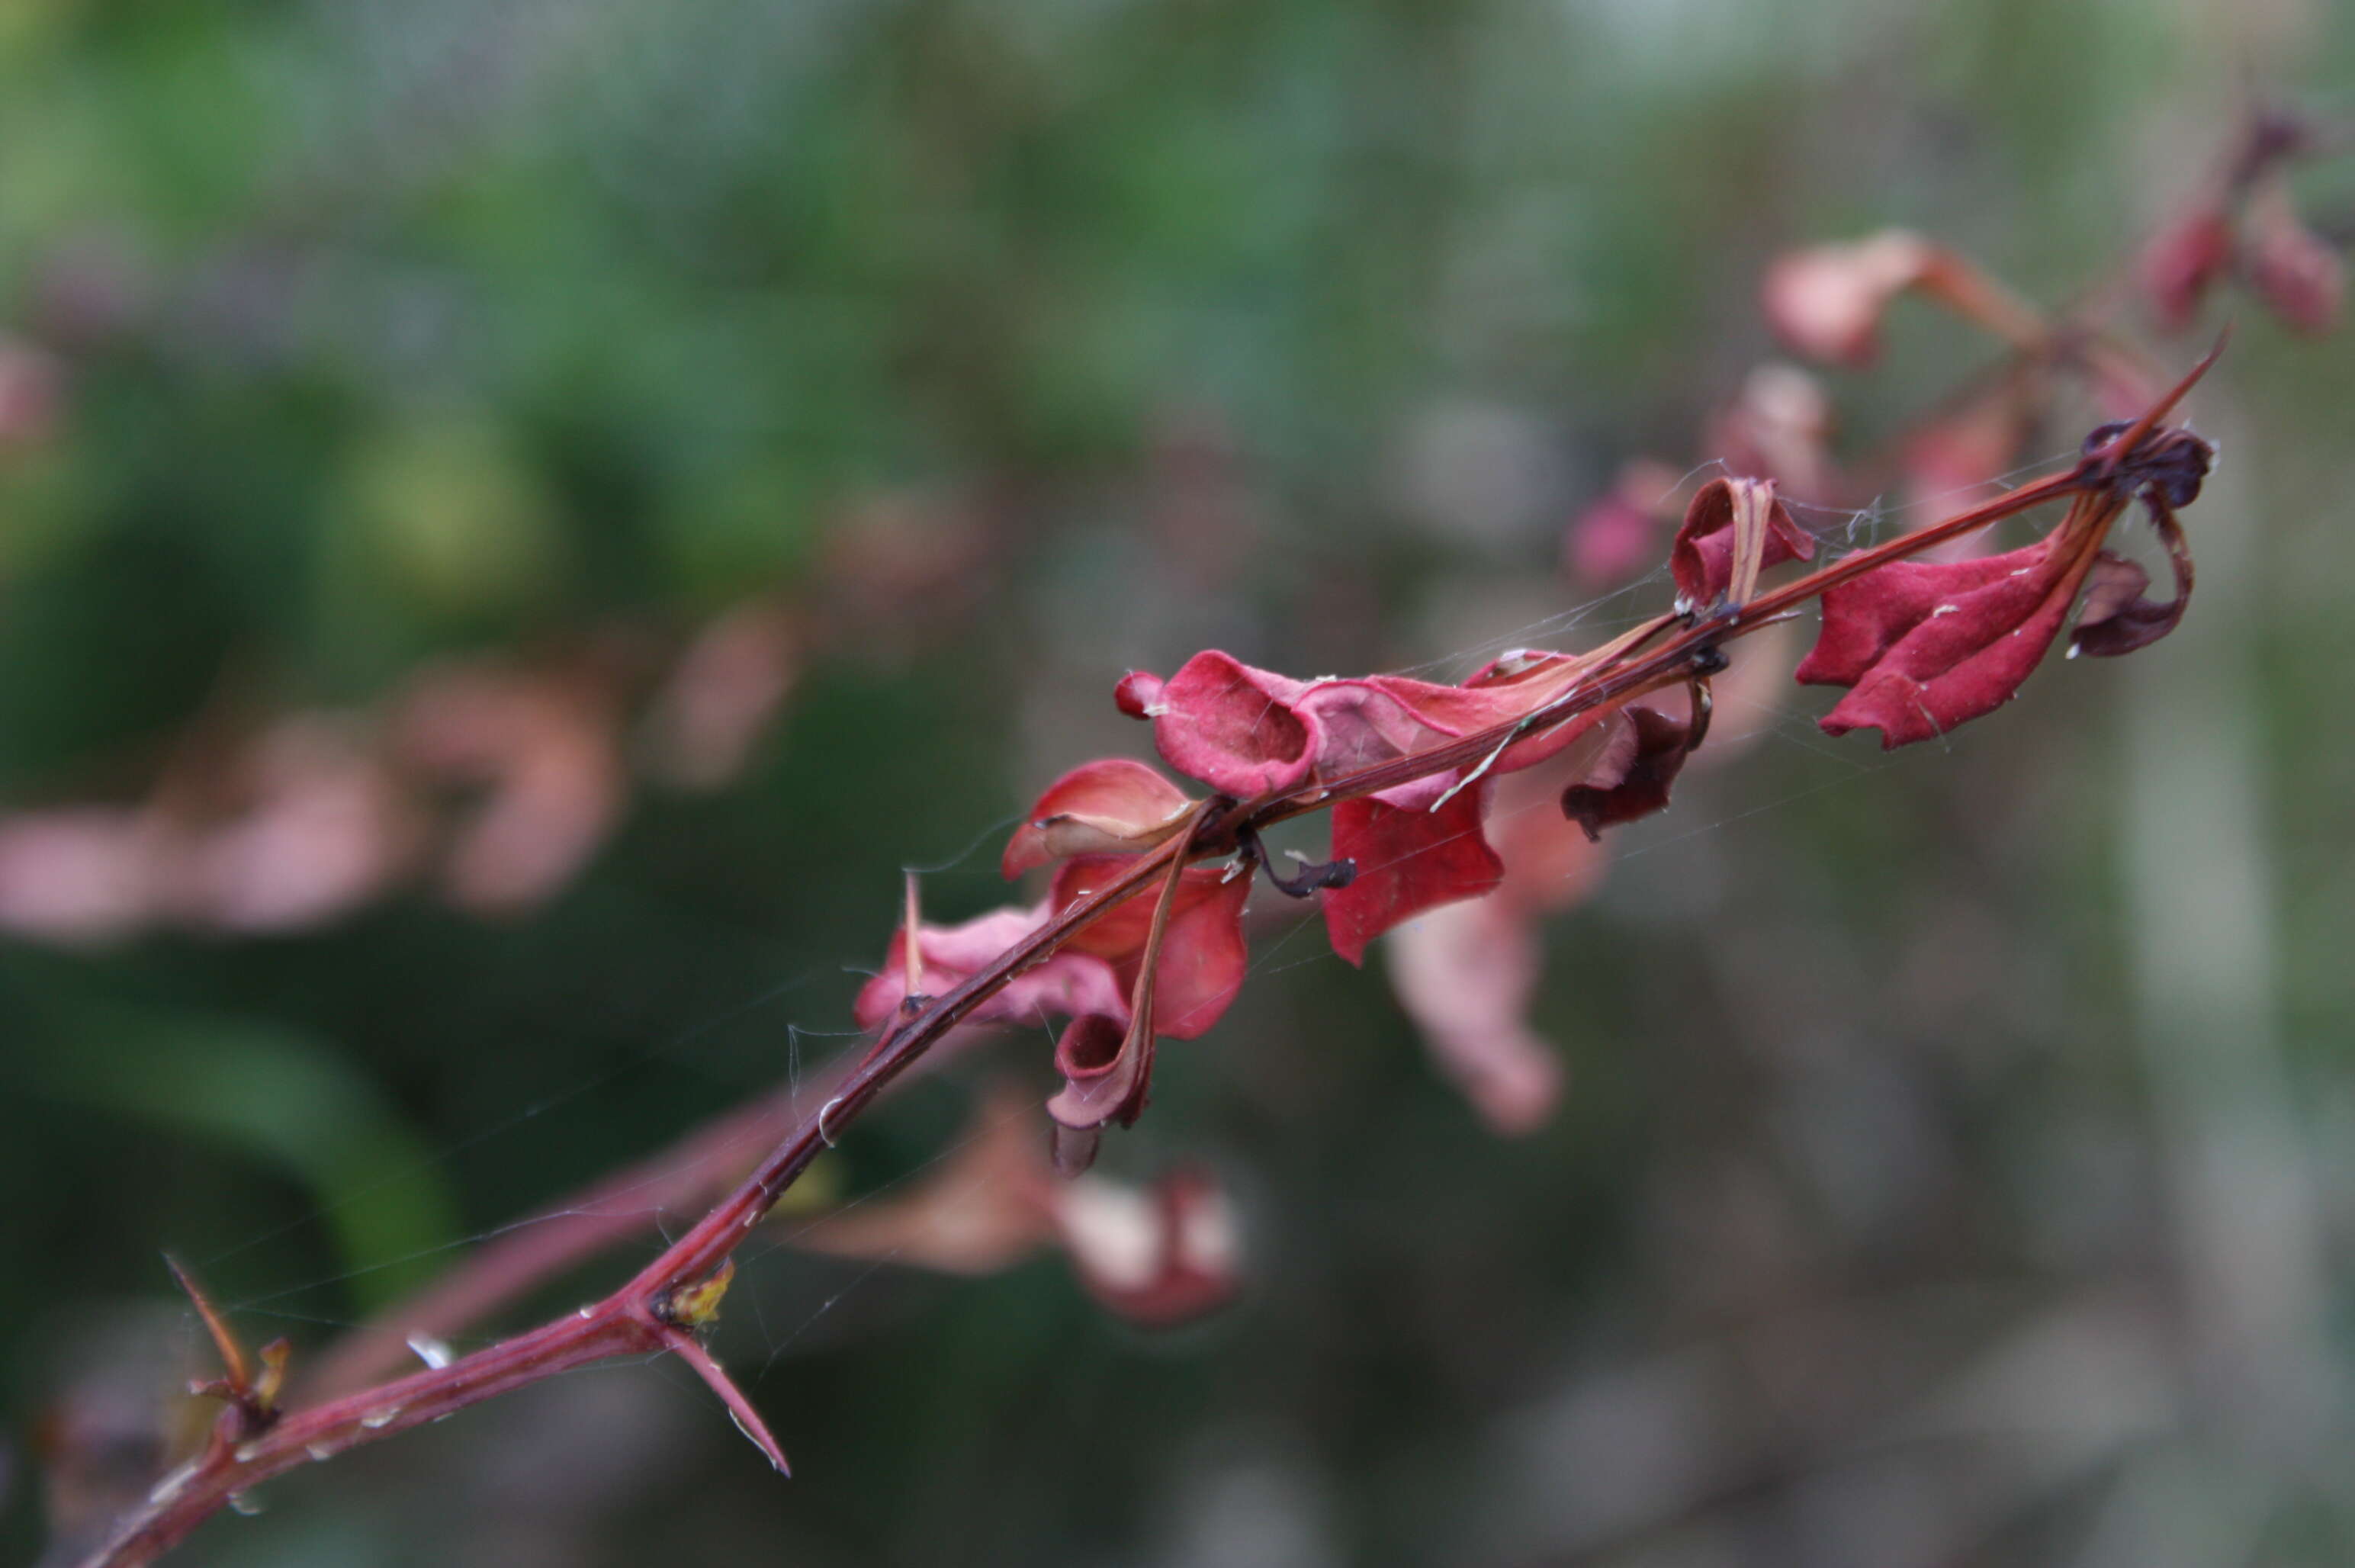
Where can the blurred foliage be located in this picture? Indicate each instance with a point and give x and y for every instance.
(387, 332)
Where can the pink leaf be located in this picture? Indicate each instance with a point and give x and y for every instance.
(2183, 261)
(1112, 805)
(983, 1207)
(1230, 725)
(1138, 695)
(1611, 542)
(1826, 302)
(1465, 975)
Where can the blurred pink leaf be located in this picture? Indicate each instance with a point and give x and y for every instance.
(81, 875)
(721, 694)
(543, 750)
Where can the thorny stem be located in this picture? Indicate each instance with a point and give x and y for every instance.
(633, 1319)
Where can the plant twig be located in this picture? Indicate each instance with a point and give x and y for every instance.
(645, 1315)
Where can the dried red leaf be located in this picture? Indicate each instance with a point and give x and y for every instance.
(1112, 805)
(326, 828)
(1826, 302)
(1734, 529)
(2116, 617)
(543, 749)
(987, 1204)
(82, 875)
(1631, 779)
(1926, 645)
(1950, 461)
(1409, 859)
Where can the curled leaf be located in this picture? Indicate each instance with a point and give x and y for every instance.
(1138, 695)
(1112, 805)
(1106, 1066)
(1734, 530)
(1632, 777)
(1228, 724)
(2116, 617)
(1158, 1256)
(1780, 427)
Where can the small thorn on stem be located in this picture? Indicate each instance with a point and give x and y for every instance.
(914, 962)
(688, 1349)
(255, 1398)
(237, 1372)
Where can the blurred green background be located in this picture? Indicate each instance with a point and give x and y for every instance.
(1954, 1168)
